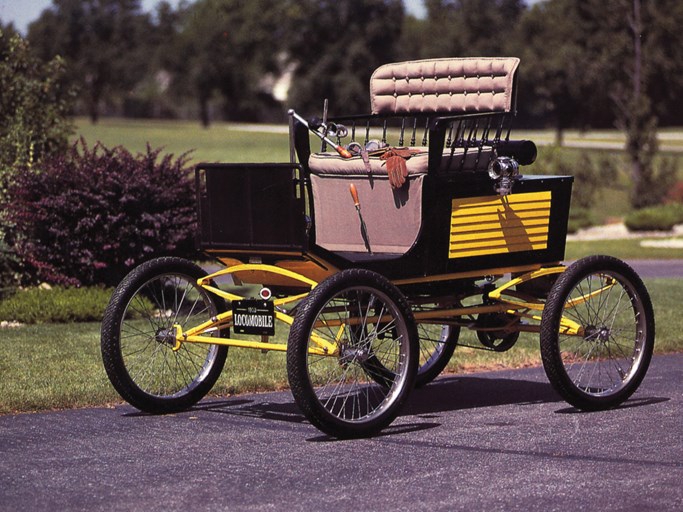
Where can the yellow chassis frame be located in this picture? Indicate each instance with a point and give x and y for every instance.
(501, 300)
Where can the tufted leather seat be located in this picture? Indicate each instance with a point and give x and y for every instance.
(444, 86)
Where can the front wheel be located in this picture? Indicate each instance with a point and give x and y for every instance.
(597, 333)
(138, 342)
(358, 387)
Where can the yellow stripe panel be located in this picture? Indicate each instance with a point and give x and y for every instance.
(495, 201)
(536, 234)
(517, 207)
(497, 225)
(500, 250)
(497, 217)
(518, 241)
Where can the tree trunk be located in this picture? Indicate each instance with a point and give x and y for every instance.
(633, 149)
(204, 110)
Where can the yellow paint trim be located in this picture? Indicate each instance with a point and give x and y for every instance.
(489, 225)
(230, 342)
(537, 306)
(585, 298)
(259, 267)
(496, 271)
(323, 348)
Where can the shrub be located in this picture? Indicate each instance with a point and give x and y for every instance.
(593, 174)
(580, 218)
(9, 269)
(675, 193)
(655, 218)
(58, 305)
(89, 215)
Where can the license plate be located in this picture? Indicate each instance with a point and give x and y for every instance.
(252, 316)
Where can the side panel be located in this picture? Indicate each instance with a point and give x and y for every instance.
(487, 231)
(466, 228)
(251, 208)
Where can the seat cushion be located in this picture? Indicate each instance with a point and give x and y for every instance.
(331, 163)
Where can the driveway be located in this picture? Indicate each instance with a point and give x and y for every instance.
(489, 441)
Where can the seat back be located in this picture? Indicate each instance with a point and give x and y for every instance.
(444, 86)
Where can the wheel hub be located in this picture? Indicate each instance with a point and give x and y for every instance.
(349, 354)
(166, 336)
(593, 333)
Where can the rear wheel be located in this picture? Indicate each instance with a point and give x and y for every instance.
(437, 344)
(597, 333)
(138, 339)
(359, 386)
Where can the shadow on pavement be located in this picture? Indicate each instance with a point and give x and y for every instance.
(450, 393)
(469, 392)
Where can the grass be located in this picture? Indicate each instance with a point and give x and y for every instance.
(221, 142)
(629, 249)
(59, 366)
(670, 139)
(57, 305)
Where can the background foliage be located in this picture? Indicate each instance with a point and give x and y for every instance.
(595, 63)
(34, 101)
(229, 59)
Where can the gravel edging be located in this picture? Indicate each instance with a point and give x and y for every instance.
(619, 231)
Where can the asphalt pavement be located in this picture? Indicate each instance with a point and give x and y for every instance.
(489, 441)
(668, 269)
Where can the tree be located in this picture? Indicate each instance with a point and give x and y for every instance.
(663, 51)
(636, 117)
(34, 101)
(470, 28)
(601, 63)
(102, 42)
(228, 48)
(551, 42)
(338, 51)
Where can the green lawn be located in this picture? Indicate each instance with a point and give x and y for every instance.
(59, 366)
(629, 249)
(221, 142)
(670, 139)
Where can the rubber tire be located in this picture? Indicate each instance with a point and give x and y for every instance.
(550, 325)
(113, 358)
(303, 389)
(426, 373)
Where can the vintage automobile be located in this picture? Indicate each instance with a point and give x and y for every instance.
(364, 260)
